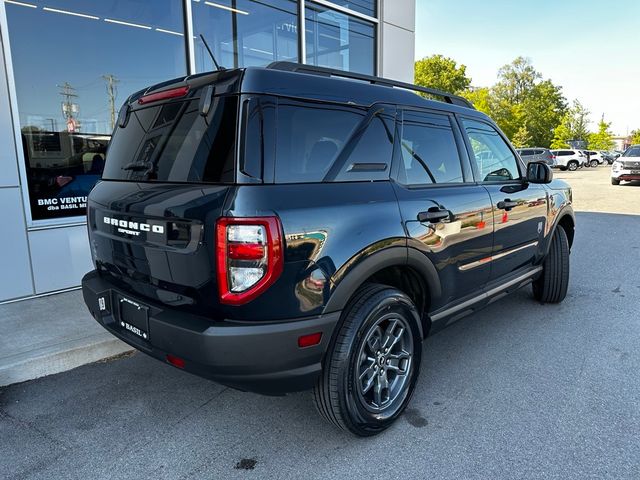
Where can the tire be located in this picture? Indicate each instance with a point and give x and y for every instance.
(572, 165)
(350, 392)
(594, 163)
(615, 181)
(551, 286)
(564, 169)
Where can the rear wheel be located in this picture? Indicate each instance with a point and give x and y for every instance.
(615, 181)
(372, 366)
(572, 165)
(551, 286)
(594, 163)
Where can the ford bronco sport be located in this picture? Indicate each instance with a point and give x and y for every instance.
(285, 228)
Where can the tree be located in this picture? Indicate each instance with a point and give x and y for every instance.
(521, 98)
(480, 97)
(516, 80)
(442, 73)
(522, 138)
(603, 138)
(573, 127)
(634, 138)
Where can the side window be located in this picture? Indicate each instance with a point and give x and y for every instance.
(429, 153)
(495, 160)
(323, 141)
(367, 155)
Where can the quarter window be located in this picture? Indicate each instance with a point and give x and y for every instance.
(429, 152)
(494, 159)
(323, 142)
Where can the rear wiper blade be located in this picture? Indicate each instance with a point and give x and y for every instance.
(136, 167)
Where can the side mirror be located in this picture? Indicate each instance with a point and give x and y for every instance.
(538, 172)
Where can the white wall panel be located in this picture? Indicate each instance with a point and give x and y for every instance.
(61, 256)
(15, 272)
(398, 47)
(8, 162)
(401, 13)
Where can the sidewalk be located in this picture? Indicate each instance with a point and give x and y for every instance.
(48, 335)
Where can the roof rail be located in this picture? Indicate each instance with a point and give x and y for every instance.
(332, 72)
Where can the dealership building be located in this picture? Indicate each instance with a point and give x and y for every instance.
(66, 66)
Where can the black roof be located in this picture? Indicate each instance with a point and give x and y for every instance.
(321, 84)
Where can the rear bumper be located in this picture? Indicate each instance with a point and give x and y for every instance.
(257, 357)
(624, 175)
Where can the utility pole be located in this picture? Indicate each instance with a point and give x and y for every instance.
(112, 92)
(69, 106)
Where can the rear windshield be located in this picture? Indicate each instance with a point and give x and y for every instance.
(173, 142)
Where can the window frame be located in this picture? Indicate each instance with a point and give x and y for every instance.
(373, 21)
(472, 160)
(465, 165)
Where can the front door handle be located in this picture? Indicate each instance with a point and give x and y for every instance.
(507, 204)
(433, 215)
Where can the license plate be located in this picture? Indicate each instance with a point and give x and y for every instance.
(134, 317)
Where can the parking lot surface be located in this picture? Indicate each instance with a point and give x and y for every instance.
(593, 192)
(518, 390)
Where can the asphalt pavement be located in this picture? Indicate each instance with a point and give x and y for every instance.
(518, 390)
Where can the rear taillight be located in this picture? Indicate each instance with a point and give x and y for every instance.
(249, 256)
(164, 95)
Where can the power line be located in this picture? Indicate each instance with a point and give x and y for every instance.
(112, 92)
(69, 106)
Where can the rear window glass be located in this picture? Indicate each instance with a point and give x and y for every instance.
(173, 142)
(324, 142)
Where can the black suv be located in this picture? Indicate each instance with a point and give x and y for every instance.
(284, 228)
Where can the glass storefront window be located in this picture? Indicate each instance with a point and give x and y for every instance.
(74, 63)
(367, 7)
(337, 40)
(243, 33)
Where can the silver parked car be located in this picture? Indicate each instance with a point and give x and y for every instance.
(537, 155)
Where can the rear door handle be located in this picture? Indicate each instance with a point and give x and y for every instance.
(433, 215)
(507, 204)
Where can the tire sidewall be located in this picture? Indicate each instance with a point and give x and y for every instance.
(388, 301)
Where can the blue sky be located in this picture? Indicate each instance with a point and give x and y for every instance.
(590, 48)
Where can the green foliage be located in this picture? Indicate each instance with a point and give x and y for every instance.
(574, 126)
(524, 106)
(635, 137)
(522, 137)
(480, 99)
(603, 138)
(442, 73)
(522, 101)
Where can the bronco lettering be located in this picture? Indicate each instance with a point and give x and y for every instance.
(133, 228)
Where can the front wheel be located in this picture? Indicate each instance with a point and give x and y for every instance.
(372, 365)
(594, 163)
(551, 286)
(572, 166)
(615, 181)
